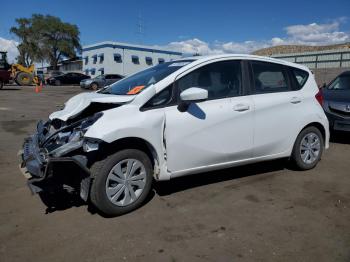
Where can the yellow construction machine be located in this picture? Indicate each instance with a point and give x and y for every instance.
(24, 75)
(20, 74)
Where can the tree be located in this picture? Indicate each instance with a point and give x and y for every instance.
(28, 51)
(46, 38)
(58, 40)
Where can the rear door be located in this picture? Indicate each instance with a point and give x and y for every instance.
(215, 131)
(278, 106)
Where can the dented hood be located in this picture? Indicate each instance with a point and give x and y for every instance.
(78, 103)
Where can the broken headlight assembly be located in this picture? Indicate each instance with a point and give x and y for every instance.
(67, 141)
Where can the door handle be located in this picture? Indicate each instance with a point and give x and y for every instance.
(241, 108)
(295, 100)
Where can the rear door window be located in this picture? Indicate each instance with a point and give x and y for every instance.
(269, 78)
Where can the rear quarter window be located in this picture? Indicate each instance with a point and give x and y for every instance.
(300, 77)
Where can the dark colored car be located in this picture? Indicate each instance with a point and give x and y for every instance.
(337, 102)
(100, 81)
(67, 79)
(51, 74)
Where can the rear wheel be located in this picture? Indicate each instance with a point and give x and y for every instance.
(308, 148)
(1, 84)
(121, 182)
(24, 79)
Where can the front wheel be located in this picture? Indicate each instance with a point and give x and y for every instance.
(308, 148)
(121, 182)
(1, 84)
(57, 82)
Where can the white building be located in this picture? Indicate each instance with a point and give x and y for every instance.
(123, 59)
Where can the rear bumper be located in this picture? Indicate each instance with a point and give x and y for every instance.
(337, 122)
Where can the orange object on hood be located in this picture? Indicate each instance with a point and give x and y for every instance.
(135, 90)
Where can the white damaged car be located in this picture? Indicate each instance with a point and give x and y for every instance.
(177, 118)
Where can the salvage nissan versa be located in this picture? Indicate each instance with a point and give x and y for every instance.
(177, 118)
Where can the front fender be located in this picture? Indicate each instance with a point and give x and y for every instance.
(129, 122)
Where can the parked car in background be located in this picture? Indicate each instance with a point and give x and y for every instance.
(178, 118)
(52, 73)
(337, 102)
(66, 79)
(100, 81)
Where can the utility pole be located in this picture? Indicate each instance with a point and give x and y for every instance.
(140, 29)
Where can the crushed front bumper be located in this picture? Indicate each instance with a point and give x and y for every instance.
(37, 166)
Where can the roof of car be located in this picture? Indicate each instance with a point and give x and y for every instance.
(346, 73)
(243, 56)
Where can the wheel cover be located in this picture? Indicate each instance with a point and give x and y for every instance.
(125, 182)
(310, 148)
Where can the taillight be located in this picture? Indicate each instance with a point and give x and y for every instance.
(319, 97)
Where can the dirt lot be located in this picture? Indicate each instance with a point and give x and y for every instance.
(261, 212)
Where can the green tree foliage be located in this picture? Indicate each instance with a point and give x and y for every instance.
(46, 38)
(27, 48)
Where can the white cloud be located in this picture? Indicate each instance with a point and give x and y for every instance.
(310, 34)
(11, 47)
(317, 34)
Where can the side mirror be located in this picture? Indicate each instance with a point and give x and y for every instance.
(192, 94)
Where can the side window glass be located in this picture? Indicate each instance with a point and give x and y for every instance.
(300, 76)
(269, 78)
(221, 79)
(162, 98)
(336, 84)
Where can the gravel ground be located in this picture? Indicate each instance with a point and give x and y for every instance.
(261, 212)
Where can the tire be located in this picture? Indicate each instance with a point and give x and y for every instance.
(306, 154)
(103, 181)
(57, 82)
(94, 86)
(1, 84)
(24, 79)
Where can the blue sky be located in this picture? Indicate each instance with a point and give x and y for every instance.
(205, 26)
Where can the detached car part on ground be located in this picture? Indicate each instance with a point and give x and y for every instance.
(174, 119)
(337, 102)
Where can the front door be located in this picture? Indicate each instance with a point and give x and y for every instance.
(215, 131)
